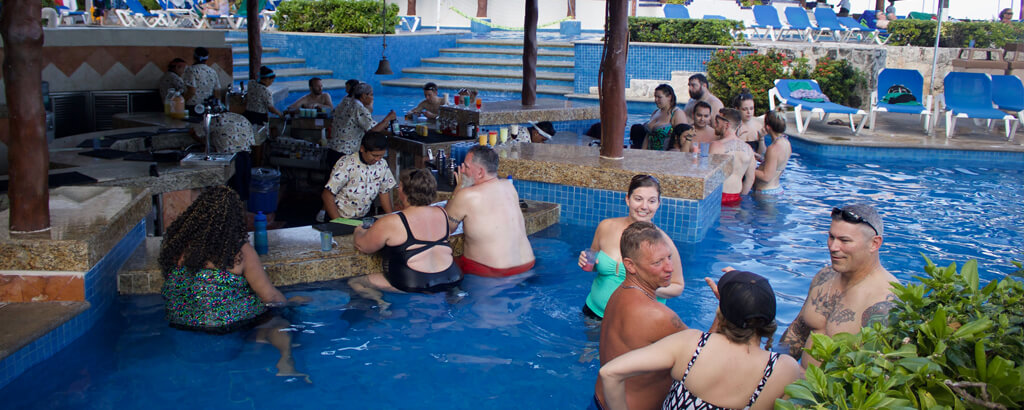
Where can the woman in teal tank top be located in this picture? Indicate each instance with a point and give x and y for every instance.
(642, 200)
(213, 279)
(668, 115)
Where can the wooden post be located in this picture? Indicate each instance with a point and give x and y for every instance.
(252, 26)
(530, 54)
(481, 8)
(612, 78)
(28, 154)
(410, 8)
(570, 11)
(879, 5)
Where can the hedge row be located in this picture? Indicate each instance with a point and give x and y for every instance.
(685, 31)
(954, 34)
(335, 16)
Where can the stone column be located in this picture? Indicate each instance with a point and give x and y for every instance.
(410, 8)
(612, 78)
(530, 54)
(481, 8)
(252, 23)
(27, 152)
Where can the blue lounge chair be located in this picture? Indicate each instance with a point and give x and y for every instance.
(136, 14)
(969, 95)
(828, 22)
(675, 11)
(1008, 95)
(868, 18)
(856, 29)
(913, 82)
(782, 92)
(800, 23)
(714, 17)
(70, 11)
(178, 16)
(768, 23)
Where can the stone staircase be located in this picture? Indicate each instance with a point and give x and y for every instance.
(493, 65)
(292, 73)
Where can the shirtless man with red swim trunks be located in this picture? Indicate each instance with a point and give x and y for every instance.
(488, 208)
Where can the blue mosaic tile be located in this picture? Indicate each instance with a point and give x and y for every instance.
(639, 62)
(918, 156)
(685, 220)
(100, 292)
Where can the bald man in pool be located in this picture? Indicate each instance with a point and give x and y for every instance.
(853, 292)
(633, 317)
(488, 209)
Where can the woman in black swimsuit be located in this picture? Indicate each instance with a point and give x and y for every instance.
(723, 368)
(413, 242)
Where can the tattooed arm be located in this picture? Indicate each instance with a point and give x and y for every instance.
(879, 312)
(815, 305)
(795, 336)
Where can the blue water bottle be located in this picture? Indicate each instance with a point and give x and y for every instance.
(259, 236)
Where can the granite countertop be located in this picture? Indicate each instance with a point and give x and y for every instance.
(682, 175)
(295, 255)
(86, 222)
(545, 109)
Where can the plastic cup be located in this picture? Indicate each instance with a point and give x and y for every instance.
(326, 239)
(704, 146)
(458, 99)
(492, 138)
(591, 257)
(513, 129)
(503, 134)
(479, 103)
(483, 138)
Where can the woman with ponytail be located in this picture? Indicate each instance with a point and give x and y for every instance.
(724, 368)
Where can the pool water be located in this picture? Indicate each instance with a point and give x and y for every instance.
(522, 341)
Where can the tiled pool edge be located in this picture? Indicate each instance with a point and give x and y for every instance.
(684, 220)
(100, 292)
(961, 157)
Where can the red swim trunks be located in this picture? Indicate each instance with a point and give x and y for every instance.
(472, 267)
(731, 199)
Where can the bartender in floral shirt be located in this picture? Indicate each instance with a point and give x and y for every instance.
(358, 178)
(232, 133)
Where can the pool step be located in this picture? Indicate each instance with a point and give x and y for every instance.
(303, 86)
(480, 72)
(509, 62)
(514, 43)
(452, 86)
(245, 50)
(293, 72)
(267, 61)
(506, 52)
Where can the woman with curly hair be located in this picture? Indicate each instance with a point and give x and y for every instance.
(213, 279)
(725, 367)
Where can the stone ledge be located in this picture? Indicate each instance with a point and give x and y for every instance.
(295, 255)
(23, 323)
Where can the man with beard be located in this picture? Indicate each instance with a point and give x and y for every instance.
(739, 171)
(316, 99)
(853, 292)
(698, 87)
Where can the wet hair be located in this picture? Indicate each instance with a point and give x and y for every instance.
(174, 62)
(485, 157)
(311, 80)
(350, 86)
(754, 327)
(699, 77)
(200, 54)
(637, 234)
(374, 141)
(732, 115)
(419, 186)
(677, 136)
(744, 95)
(430, 86)
(643, 180)
(669, 91)
(702, 104)
(775, 121)
(211, 230)
(361, 89)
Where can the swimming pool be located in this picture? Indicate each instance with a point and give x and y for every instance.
(523, 341)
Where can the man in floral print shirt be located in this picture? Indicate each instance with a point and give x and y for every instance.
(358, 178)
(232, 133)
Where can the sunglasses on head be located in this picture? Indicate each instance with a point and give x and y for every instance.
(853, 218)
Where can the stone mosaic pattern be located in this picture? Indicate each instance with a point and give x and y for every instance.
(295, 256)
(682, 175)
(644, 61)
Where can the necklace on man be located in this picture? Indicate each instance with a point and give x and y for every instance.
(649, 296)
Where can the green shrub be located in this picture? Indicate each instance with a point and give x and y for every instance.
(955, 34)
(685, 31)
(948, 344)
(150, 4)
(839, 80)
(729, 72)
(335, 16)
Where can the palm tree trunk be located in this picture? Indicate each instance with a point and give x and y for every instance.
(481, 8)
(530, 54)
(612, 78)
(410, 8)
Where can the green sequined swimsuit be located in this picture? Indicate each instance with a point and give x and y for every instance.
(211, 300)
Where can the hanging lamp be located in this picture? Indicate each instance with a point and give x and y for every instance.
(384, 67)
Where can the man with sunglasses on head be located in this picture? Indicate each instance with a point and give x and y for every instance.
(739, 177)
(853, 292)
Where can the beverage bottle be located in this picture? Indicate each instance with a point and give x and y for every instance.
(259, 235)
(167, 102)
(177, 106)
